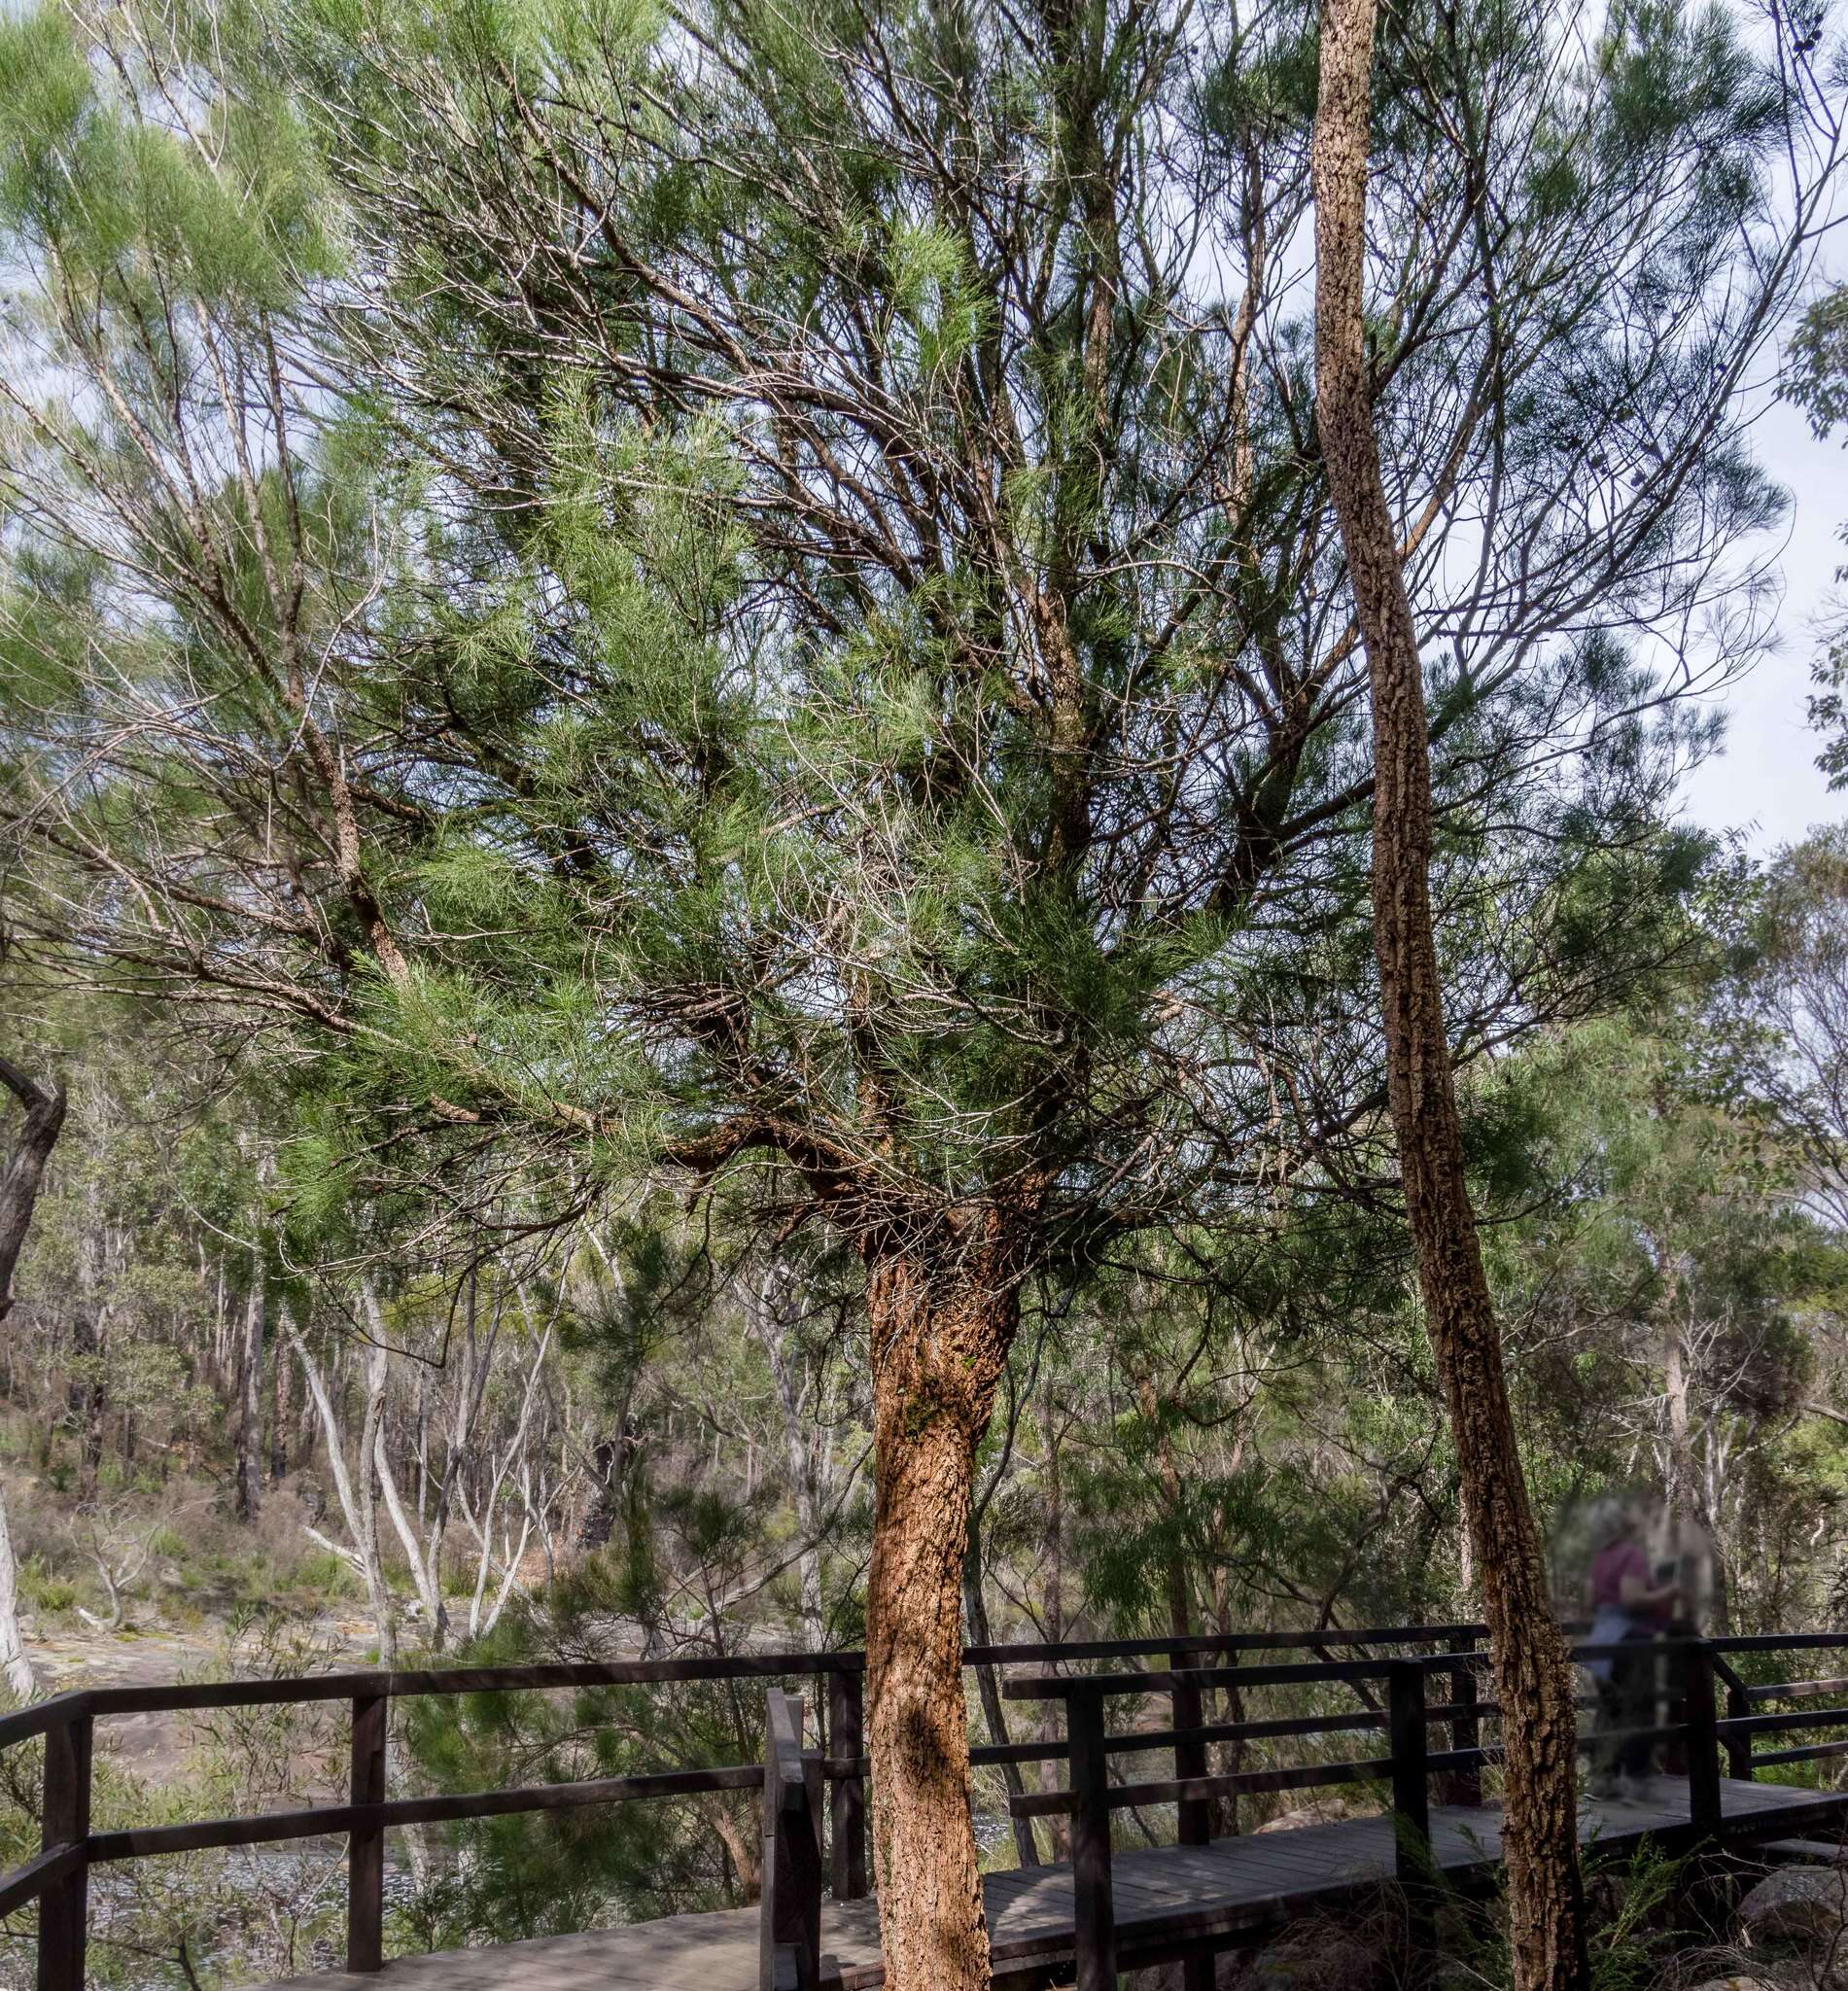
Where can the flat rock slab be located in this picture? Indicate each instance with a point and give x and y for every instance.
(1819, 1852)
(1161, 1893)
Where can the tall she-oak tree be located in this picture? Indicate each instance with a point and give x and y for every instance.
(748, 596)
(1533, 1680)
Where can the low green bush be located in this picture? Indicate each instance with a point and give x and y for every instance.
(45, 1589)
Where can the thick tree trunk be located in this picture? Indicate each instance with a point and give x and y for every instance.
(941, 1310)
(1533, 1681)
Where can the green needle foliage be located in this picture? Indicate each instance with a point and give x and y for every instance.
(679, 586)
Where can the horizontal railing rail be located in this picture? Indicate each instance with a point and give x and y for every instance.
(1792, 1690)
(1741, 1725)
(1779, 1642)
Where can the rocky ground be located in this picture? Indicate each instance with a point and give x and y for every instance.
(155, 1746)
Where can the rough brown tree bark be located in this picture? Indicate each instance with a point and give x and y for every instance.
(1533, 1681)
(24, 1169)
(20, 1176)
(942, 1305)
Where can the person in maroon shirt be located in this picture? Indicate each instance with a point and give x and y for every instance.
(1628, 1605)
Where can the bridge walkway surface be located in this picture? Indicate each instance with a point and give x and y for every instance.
(1167, 1899)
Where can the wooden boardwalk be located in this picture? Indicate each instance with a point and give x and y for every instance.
(1163, 1895)
(1414, 1689)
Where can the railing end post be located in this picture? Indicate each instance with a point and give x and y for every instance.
(1195, 1814)
(1413, 1862)
(847, 1800)
(63, 1821)
(365, 1844)
(1704, 1803)
(1093, 1932)
(789, 1903)
(1408, 1748)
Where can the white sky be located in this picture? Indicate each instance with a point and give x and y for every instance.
(1766, 782)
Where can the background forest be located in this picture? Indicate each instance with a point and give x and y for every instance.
(679, 725)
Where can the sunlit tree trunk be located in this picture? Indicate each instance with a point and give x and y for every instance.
(941, 1310)
(356, 1491)
(1539, 1836)
(14, 1661)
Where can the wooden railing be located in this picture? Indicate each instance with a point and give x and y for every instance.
(1741, 1723)
(1696, 1668)
(59, 1878)
(808, 1842)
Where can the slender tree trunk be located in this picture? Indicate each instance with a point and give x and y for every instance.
(1053, 1611)
(24, 1166)
(988, 1687)
(771, 1299)
(14, 1663)
(1700, 1568)
(1534, 1686)
(1167, 1477)
(772, 1311)
(249, 1394)
(279, 1414)
(355, 1491)
(942, 1309)
(20, 1176)
(89, 1345)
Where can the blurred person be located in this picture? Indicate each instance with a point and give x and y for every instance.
(1631, 1604)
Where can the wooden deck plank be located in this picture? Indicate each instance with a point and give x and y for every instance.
(1164, 1891)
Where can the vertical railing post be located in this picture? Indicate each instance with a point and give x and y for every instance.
(1196, 1822)
(365, 1844)
(1703, 1739)
(1668, 1699)
(1465, 1783)
(1410, 1787)
(789, 1909)
(1739, 1747)
(64, 1821)
(846, 1800)
(1095, 1933)
(1412, 1813)
(1195, 1826)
